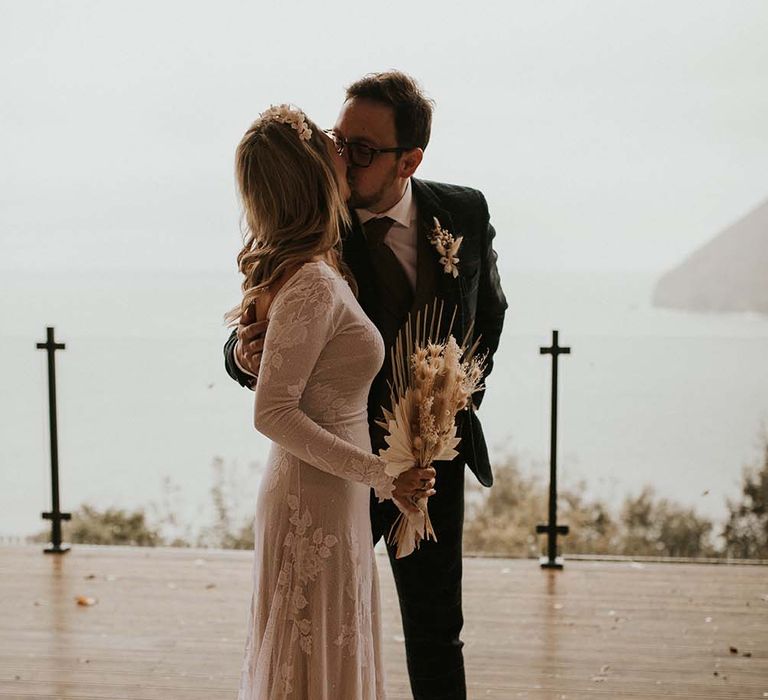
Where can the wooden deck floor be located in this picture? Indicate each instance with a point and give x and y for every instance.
(169, 624)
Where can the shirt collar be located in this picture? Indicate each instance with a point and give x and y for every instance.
(401, 213)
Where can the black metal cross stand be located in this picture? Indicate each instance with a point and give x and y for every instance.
(552, 529)
(55, 516)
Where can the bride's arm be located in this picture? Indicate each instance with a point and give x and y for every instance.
(302, 320)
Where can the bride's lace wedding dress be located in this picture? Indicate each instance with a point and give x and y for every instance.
(314, 628)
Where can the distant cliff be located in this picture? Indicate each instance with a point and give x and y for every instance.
(730, 273)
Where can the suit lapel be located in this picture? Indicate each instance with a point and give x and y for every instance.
(432, 281)
(426, 270)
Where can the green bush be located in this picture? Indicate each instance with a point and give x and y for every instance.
(503, 521)
(660, 527)
(111, 526)
(746, 531)
(500, 520)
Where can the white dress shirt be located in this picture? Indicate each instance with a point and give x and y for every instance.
(402, 237)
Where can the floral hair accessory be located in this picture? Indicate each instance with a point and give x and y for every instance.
(447, 246)
(287, 114)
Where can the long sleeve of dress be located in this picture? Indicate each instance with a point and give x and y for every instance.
(302, 320)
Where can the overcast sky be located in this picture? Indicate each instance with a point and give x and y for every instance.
(611, 134)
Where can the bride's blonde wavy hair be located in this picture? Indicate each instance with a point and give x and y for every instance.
(293, 209)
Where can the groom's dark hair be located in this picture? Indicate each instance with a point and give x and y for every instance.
(412, 108)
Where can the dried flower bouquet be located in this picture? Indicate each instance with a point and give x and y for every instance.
(433, 379)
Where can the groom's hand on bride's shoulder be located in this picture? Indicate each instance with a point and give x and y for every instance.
(250, 342)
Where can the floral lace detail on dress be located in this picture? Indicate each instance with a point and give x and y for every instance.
(349, 639)
(332, 400)
(384, 487)
(306, 299)
(279, 470)
(307, 554)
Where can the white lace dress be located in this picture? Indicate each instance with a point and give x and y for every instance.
(314, 628)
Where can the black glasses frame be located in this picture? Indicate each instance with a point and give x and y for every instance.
(354, 155)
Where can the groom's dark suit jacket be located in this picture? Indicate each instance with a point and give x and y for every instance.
(475, 295)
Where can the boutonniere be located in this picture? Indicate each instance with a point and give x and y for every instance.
(447, 246)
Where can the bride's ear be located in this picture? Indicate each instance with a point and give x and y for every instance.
(410, 161)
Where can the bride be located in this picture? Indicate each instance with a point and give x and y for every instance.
(314, 627)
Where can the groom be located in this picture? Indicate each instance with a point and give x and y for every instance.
(382, 130)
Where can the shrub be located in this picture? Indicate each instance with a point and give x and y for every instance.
(115, 526)
(503, 521)
(746, 531)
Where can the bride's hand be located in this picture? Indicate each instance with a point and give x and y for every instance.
(413, 485)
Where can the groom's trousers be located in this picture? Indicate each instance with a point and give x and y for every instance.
(428, 585)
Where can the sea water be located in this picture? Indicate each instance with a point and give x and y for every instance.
(647, 396)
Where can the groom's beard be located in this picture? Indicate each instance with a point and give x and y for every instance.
(369, 202)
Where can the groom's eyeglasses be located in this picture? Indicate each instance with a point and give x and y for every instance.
(360, 154)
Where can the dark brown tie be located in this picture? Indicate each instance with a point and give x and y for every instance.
(396, 295)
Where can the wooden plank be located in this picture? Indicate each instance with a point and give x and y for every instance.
(170, 623)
